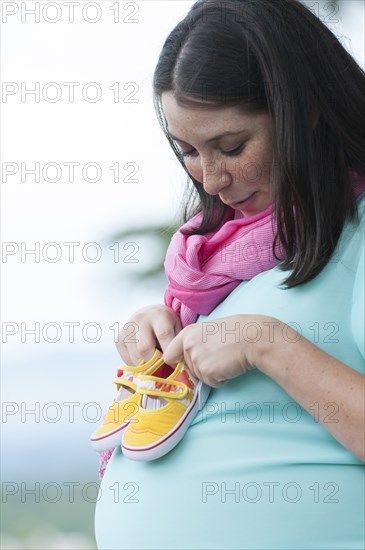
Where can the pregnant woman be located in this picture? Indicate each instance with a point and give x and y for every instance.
(264, 109)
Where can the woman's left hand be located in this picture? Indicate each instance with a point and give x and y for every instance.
(218, 350)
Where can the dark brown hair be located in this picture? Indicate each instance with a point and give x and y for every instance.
(276, 57)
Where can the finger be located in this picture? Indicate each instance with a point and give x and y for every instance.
(145, 348)
(214, 384)
(124, 355)
(139, 345)
(165, 332)
(178, 326)
(122, 350)
(174, 353)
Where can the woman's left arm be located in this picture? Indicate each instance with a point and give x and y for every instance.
(219, 350)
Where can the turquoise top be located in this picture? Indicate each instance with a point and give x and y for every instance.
(255, 470)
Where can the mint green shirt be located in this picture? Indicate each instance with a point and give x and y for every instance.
(255, 470)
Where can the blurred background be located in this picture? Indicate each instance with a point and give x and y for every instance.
(90, 194)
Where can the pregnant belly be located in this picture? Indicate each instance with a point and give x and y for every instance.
(247, 475)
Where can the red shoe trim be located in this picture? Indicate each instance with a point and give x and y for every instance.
(110, 433)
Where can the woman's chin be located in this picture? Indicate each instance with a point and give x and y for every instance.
(253, 205)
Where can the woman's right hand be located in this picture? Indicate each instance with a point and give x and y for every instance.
(148, 328)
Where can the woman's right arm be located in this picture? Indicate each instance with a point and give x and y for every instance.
(155, 326)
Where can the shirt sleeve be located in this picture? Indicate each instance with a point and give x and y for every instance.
(358, 305)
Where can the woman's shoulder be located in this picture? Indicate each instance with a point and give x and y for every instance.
(351, 242)
(358, 301)
(358, 293)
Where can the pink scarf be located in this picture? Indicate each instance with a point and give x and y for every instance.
(203, 269)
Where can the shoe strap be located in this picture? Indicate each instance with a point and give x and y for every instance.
(124, 381)
(124, 373)
(146, 384)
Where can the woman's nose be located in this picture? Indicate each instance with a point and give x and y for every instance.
(215, 177)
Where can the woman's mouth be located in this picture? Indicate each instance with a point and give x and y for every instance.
(245, 202)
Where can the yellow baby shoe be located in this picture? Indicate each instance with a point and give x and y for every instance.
(169, 401)
(125, 405)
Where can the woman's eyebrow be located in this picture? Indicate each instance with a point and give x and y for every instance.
(215, 138)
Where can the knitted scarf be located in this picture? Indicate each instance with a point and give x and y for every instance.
(203, 269)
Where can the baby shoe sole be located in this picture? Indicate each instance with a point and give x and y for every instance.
(174, 436)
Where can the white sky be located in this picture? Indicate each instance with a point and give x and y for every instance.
(105, 133)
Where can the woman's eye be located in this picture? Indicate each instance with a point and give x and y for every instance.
(233, 152)
(188, 153)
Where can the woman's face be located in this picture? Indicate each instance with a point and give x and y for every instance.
(236, 166)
